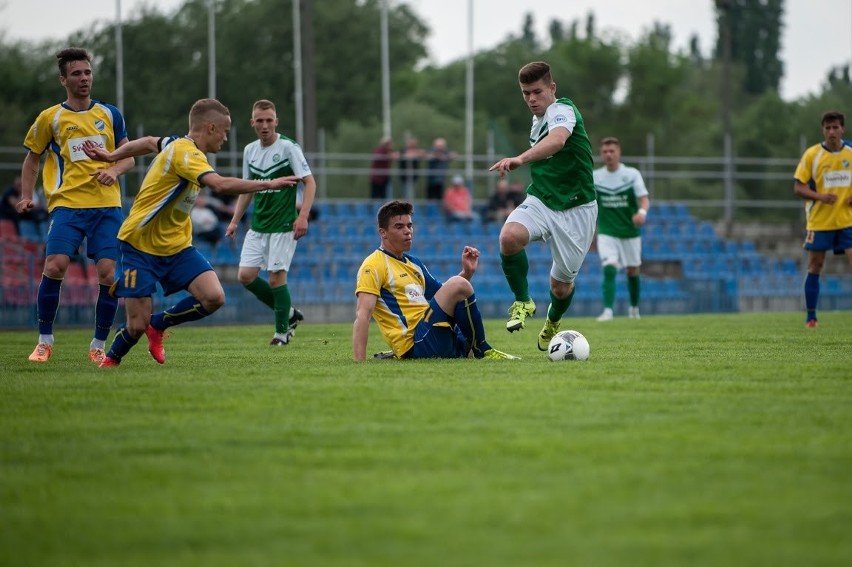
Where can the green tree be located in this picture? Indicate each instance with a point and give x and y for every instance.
(755, 35)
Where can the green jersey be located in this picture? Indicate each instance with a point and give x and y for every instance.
(564, 180)
(618, 200)
(274, 211)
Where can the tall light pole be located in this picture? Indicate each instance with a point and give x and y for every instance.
(211, 48)
(119, 59)
(468, 135)
(297, 72)
(386, 113)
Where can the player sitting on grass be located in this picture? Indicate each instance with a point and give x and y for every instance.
(417, 315)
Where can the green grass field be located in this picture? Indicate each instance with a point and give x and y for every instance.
(686, 440)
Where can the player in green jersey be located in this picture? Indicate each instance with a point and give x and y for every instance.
(560, 207)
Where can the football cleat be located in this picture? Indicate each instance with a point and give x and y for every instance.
(518, 313)
(108, 362)
(606, 315)
(633, 313)
(41, 353)
(811, 324)
(96, 355)
(295, 319)
(384, 355)
(495, 354)
(155, 344)
(281, 340)
(547, 332)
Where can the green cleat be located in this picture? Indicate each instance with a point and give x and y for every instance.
(547, 332)
(518, 313)
(495, 354)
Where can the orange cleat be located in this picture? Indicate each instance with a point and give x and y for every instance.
(155, 344)
(41, 353)
(108, 362)
(811, 324)
(96, 355)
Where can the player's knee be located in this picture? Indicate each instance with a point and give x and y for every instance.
(561, 290)
(512, 240)
(136, 326)
(214, 301)
(245, 278)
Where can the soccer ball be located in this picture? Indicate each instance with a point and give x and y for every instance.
(568, 345)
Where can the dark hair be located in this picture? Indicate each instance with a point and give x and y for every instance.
(69, 54)
(610, 140)
(833, 116)
(393, 209)
(535, 71)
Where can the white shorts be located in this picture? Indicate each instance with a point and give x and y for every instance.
(268, 251)
(569, 233)
(620, 252)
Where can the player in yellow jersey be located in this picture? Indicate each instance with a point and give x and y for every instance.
(83, 197)
(824, 179)
(156, 239)
(418, 316)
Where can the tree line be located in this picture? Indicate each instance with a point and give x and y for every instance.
(627, 88)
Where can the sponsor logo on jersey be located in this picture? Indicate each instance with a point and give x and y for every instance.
(837, 179)
(71, 128)
(560, 118)
(75, 146)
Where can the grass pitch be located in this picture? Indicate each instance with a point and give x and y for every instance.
(687, 440)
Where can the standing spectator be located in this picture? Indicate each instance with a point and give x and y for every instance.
(439, 159)
(205, 223)
(560, 207)
(276, 224)
(501, 203)
(83, 196)
(380, 169)
(32, 218)
(622, 208)
(822, 179)
(409, 166)
(458, 203)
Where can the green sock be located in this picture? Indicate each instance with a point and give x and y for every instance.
(516, 267)
(609, 273)
(633, 288)
(261, 290)
(282, 308)
(558, 307)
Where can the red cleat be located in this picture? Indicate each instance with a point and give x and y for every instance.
(108, 362)
(155, 344)
(812, 324)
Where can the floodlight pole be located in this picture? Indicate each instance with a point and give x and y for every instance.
(386, 111)
(469, 98)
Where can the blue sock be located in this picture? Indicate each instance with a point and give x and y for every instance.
(48, 303)
(469, 321)
(105, 310)
(121, 344)
(186, 310)
(811, 294)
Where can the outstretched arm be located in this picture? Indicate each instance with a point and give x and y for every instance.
(137, 147)
(361, 328)
(552, 143)
(236, 186)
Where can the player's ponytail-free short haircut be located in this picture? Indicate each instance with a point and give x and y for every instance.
(833, 116)
(535, 71)
(263, 104)
(206, 110)
(610, 140)
(69, 54)
(393, 209)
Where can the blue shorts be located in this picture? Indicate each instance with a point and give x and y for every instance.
(137, 273)
(824, 240)
(99, 227)
(436, 337)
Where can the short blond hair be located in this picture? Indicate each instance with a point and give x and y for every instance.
(206, 110)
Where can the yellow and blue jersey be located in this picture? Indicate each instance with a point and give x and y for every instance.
(159, 222)
(60, 132)
(404, 287)
(825, 171)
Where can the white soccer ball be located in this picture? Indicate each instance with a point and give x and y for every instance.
(568, 345)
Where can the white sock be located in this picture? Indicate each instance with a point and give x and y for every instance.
(45, 339)
(97, 344)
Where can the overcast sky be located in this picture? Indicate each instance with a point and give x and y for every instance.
(817, 34)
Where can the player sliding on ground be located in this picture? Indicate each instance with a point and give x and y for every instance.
(417, 315)
(156, 238)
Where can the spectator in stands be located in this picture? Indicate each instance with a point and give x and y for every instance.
(409, 166)
(439, 159)
(822, 179)
(501, 202)
(441, 320)
(622, 209)
(458, 203)
(205, 223)
(380, 169)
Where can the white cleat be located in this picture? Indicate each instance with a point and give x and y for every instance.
(633, 313)
(606, 315)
